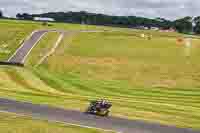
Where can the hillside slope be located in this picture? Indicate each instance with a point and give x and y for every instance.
(151, 80)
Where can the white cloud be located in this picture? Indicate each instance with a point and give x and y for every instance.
(149, 8)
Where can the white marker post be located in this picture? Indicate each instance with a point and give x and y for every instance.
(188, 45)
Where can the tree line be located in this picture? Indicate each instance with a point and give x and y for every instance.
(101, 19)
(1, 14)
(184, 25)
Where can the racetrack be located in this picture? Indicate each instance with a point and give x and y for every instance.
(74, 117)
(22, 52)
(79, 118)
(20, 55)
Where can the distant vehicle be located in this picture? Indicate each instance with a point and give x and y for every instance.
(99, 107)
(43, 19)
(154, 28)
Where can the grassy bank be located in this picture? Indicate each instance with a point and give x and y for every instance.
(153, 80)
(12, 34)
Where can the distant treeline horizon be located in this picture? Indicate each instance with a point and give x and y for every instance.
(84, 17)
(187, 24)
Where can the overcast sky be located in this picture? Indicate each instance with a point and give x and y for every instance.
(170, 9)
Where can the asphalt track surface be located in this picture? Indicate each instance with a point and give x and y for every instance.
(78, 118)
(20, 55)
(74, 117)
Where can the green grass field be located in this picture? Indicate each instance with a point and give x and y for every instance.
(153, 80)
(11, 123)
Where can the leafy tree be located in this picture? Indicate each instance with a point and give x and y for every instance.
(184, 25)
(1, 14)
(25, 16)
(197, 25)
(19, 16)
